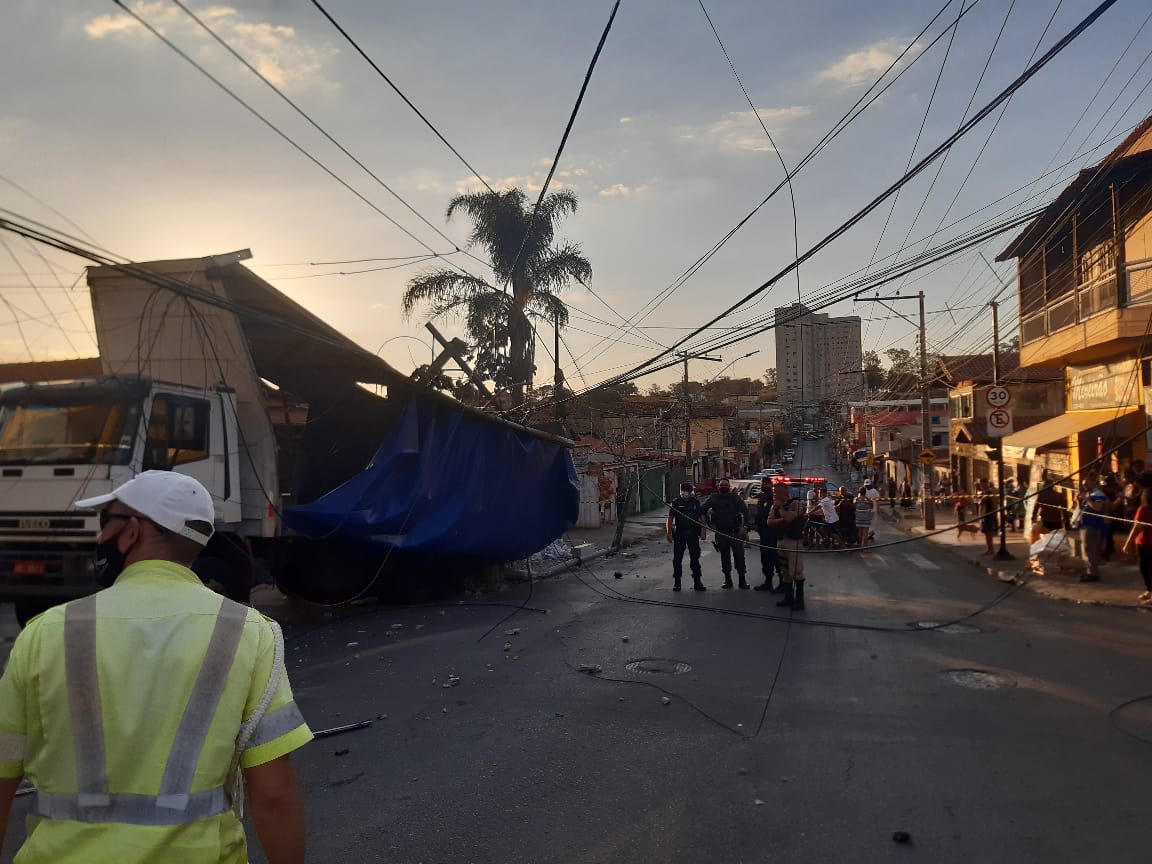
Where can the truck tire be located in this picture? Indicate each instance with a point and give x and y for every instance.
(226, 566)
(28, 608)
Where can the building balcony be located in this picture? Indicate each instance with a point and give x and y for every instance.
(1090, 323)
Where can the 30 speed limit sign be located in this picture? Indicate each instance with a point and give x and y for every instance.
(998, 397)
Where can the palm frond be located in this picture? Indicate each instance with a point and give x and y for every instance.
(559, 267)
(442, 288)
(548, 307)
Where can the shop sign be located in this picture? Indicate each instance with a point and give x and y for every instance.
(1108, 385)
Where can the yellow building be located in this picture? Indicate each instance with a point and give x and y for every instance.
(1085, 294)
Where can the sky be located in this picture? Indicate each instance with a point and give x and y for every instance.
(108, 135)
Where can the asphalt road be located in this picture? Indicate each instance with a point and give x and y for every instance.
(802, 737)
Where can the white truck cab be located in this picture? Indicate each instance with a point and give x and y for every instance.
(60, 442)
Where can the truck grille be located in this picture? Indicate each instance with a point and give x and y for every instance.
(57, 524)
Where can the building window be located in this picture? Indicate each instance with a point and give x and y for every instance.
(960, 406)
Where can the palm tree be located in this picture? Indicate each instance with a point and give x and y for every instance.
(530, 271)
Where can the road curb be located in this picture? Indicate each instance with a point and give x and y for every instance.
(1021, 575)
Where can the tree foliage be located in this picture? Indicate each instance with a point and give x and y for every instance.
(531, 270)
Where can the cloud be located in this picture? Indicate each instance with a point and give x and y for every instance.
(863, 66)
(276, 50)
(741, 130)
(564, 178)
(619, 190)
(624, 121)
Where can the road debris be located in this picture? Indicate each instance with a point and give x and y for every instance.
(757, 802)
(343, 752)
(618, 575)
(340, 730)
(452, 682)
(515, 631)
(623, 638)
(590, 668)
(396, 627)
(901, 837)
(507, 646)
(664, 700)
(352, 645)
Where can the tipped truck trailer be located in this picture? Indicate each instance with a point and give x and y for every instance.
(209, 371)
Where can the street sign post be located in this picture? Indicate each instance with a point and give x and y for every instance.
(998, 397)
(999, 422)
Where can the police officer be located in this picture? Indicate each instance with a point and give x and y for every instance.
(140, 712)
(728, 515)
(788, 516)
(686, 528)
(770, 562)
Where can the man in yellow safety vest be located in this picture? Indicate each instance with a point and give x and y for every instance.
(140, 712)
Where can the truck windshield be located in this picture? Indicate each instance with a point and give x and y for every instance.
(95, 433)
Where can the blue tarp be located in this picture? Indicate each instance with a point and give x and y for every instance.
(446, 483)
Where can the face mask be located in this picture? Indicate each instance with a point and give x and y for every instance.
(110, 561)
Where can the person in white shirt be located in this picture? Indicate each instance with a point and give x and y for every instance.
(825, 507)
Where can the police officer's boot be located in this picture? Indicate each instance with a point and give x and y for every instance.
(798, 602)
(767, 586)
(676, 584)
(727, 581)
(697, 585)
(788, 598)
(744, 581)
(779, 589)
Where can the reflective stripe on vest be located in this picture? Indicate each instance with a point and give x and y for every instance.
(84, 701)
(132, 809)
(274, 724)
(175, 804)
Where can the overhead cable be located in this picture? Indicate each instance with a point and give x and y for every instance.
(400, 93)
(940, 149)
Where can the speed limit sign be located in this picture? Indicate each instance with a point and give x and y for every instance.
(998, 397)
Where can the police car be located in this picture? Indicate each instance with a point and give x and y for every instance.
(798, 486)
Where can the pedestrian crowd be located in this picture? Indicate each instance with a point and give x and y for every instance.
(1107, 510)
(785, 526)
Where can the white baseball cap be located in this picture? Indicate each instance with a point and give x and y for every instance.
(171, 500)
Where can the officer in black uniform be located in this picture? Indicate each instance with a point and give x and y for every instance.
(729, 517)
(685, 527)
(770, 562)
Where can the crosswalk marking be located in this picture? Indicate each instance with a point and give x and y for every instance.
(876, 561)
(920, 561)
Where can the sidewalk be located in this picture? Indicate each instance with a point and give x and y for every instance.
(1119, 584)
(589, 543)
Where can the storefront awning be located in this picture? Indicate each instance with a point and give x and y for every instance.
(1059, 428)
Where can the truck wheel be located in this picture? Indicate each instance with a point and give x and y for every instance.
(28, 608)
(226, 566)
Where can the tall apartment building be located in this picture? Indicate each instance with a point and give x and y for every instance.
(817, 357)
